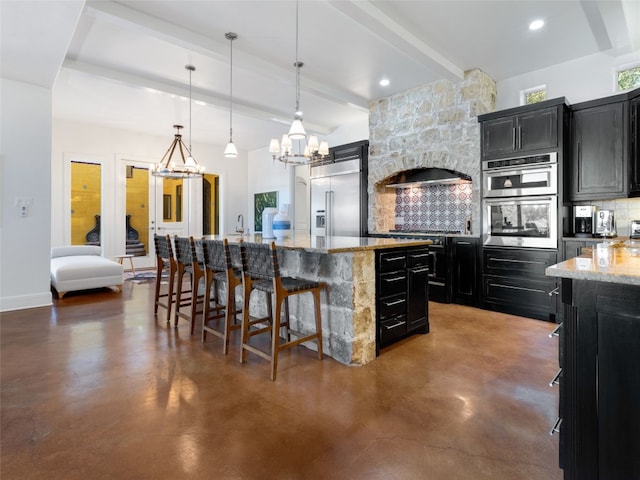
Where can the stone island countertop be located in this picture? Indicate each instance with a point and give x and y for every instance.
(321, 244)
(608, 262)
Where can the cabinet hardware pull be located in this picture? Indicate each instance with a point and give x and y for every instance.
(512, 287)
(556, 378)
(556, 426)
(519, 137)
(419, 255)
(513, 138)
(391, 304)
(463, 243)
(511, 260)
(420, 270)
(439, 284)
(389, 327)
(394, 279)
(556, 331)
(555, 291)
(393, 259)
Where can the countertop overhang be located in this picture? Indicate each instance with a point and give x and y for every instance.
(606, 263)
(330, 244)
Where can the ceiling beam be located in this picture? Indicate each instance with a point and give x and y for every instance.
(406, 43)
(171, 33)
(215, 100)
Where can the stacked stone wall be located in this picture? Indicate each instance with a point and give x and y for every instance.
(434, 125)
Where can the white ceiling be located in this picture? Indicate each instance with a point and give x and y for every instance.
(125, 63)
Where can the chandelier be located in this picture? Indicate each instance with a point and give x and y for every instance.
(168, 167)
(295, 147)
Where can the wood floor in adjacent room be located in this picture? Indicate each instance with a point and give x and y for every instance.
(97, 388)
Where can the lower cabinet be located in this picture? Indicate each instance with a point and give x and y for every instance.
(513, 281)
(599, 413)
(402, 294)
(465, 270)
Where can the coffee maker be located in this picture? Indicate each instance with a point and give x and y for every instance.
(583, 217)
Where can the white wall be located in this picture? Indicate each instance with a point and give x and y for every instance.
(586, 78)
(25, 153)
(74, 141)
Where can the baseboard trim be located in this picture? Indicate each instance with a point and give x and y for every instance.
(22, 302)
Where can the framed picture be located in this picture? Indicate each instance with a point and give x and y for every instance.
(260, 202)
(166, 207)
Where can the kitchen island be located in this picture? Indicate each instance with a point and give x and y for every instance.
(599, 413)
(348, 266)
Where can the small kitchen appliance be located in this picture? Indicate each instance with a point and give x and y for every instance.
(605, 224)
(635, 229)
(583, 216)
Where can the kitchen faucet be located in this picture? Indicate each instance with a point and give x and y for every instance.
(241, 221)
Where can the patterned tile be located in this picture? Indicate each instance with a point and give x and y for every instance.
(433, 207)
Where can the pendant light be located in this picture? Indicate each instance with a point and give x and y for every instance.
(295, 147)
(230, 151)
(167, 167)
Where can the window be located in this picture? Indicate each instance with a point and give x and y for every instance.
(533, 95)
(628, 78)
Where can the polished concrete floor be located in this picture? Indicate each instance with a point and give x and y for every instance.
(96, 388)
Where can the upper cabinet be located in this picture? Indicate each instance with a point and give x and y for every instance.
(520, 130)
(634, 145)
(604, 148)
(598, 152)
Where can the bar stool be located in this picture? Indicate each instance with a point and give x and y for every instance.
(261, 271)
(187, 260)
(220, 268)
(165, 262)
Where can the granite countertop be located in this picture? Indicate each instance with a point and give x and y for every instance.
(319, 244)
(608, 262)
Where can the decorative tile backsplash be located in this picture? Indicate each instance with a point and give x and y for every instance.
(433, 207)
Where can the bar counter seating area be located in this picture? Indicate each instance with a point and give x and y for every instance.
(321, 290)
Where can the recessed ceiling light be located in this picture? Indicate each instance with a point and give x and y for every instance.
(536, 25)
(384, 82)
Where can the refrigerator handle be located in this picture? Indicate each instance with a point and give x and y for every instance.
(328, 203)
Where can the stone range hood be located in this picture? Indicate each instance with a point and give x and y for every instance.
(430, 126)
(428, 176)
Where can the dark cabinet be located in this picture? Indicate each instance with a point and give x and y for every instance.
(402, 289)
(523, 132)
(600, 385)
(573, 248)
(634, 146)
(514, 281)
(599, 159)
(465, 270)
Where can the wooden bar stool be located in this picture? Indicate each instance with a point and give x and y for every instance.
(220, 267)
(165, 262)
(261, 271)
(187, 260)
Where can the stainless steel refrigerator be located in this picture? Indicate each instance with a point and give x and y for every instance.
(338, 199)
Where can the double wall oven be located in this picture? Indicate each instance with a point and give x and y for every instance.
(520, 201)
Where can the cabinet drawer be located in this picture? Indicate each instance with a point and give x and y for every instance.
(391, 261)
(393, 306)
(527, 296)
(418, 258)
(392, 283)
(518, 262)
(392, 328)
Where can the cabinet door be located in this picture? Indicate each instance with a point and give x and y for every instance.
(573, 248)
(634, 116)
(538, 130)
(418, 299)
(498, 136)
(465, 271)
(599, 168)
